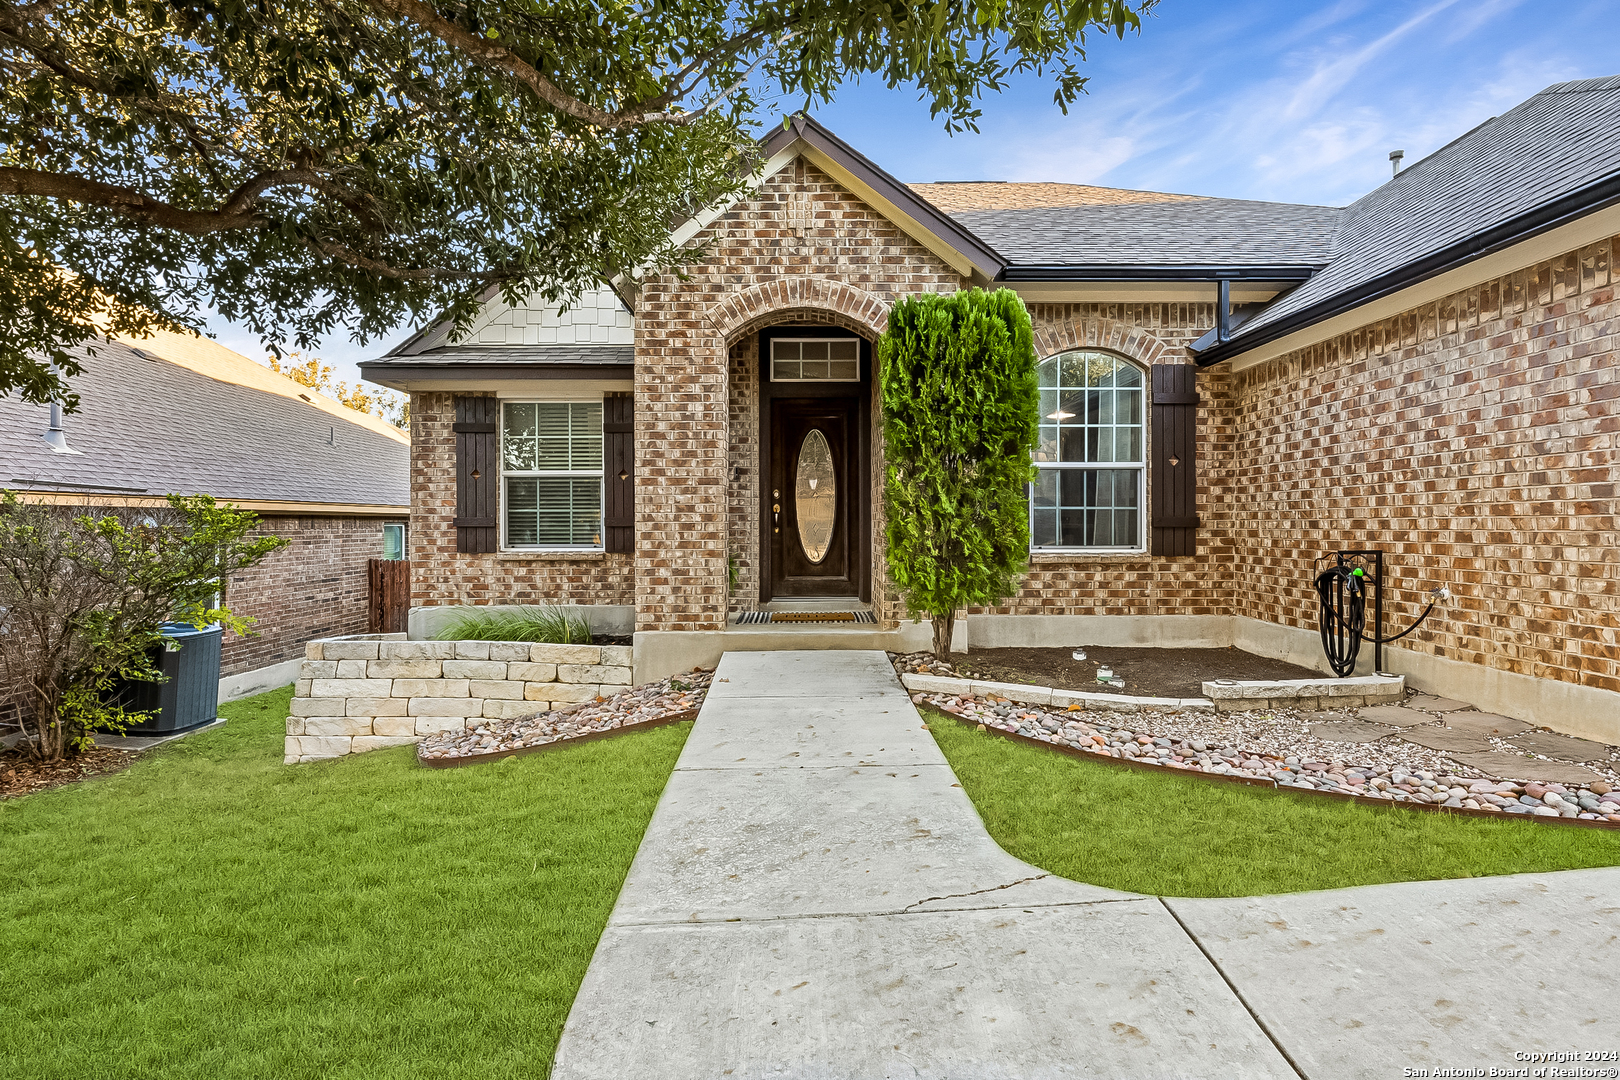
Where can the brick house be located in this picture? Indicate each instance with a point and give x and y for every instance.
(1237, 389)
(183, 415)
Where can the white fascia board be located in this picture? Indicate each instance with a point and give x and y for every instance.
(1548, 245)
(909, 225)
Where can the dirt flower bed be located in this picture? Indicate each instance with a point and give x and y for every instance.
(21, 776)
(1178, 673)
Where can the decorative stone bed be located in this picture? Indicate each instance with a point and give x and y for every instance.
(1426, 752)
(367, 692)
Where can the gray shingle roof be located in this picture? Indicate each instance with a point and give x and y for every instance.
(1150, 230)
(1556, 143)
(149, 426)
(511, 354)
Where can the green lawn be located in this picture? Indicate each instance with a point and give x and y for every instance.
(1172, 836)
(213, 913)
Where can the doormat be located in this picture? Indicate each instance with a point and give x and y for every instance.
(755, 617)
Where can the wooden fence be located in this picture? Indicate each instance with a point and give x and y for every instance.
(389, 605)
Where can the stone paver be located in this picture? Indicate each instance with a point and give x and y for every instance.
(1350, 731)
(1395, 716)
(1562, 747)
(1447, 739)
(1503, 766)
(1435, 704)
(1485, 723)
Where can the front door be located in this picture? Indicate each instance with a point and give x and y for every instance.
(813, 498)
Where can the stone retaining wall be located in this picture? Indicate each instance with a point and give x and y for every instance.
(363, 693)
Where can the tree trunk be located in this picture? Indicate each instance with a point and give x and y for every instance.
(943, 625)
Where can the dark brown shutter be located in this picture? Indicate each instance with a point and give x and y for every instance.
(1174, 476)
(619, 471)
(477, 473)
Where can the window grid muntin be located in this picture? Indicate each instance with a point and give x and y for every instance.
(815, 360)
(1098, 390)
(533, 446)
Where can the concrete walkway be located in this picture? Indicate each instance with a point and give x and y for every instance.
(816, 897)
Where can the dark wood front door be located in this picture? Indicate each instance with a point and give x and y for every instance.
(814, 498)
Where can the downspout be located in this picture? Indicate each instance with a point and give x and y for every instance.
(1223, 311)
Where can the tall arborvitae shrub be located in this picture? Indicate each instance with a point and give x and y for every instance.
(960, 408)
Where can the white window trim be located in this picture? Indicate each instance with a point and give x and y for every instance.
(564, 474)
(1141, 547)
(770, 361)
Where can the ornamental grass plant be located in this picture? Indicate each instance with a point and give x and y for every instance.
(543, 623)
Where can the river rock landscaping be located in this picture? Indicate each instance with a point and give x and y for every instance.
(1427, 751)
(678, 696)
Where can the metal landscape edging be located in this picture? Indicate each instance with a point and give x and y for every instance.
(591, 736)
(1262, 782)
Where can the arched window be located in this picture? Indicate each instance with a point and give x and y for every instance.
(1091, 454)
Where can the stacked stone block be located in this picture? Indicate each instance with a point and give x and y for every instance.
(365, 693)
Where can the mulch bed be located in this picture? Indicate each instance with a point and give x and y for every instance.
(1178, 673)
(21, 776)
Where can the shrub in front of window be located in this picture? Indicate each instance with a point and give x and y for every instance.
(959, 425)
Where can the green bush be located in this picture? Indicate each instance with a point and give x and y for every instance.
(960, 412)
(543, 623)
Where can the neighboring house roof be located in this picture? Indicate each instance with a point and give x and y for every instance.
(1062, 225)
(173, 414)
(1541, 164)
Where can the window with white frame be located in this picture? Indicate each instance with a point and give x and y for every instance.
(551, 474)
(1090, 456)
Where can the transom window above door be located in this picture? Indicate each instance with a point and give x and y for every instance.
(815, 360)
(1090, 454)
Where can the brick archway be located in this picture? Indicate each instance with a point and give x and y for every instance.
(738, 312)
(1082, 332)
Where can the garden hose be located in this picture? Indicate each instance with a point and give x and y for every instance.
(1343, 593)
(1343, 617)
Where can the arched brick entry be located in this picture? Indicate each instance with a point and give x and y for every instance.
(735, 313)
(736, 321)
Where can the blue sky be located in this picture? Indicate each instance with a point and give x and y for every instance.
(1253, 99)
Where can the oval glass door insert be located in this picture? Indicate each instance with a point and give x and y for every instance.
(815, 493)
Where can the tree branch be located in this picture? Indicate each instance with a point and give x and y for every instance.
(347, 255)
(132, 204)
(492, 54)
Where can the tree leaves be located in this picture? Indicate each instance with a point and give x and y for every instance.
(318, 165)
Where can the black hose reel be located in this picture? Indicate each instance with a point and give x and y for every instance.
(1342, 588)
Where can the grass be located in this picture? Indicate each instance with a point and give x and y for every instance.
(213, 913)
(543, 623)
(1174, 836)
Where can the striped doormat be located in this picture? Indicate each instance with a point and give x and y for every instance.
(755, 617)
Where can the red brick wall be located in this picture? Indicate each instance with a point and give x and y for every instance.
(1474, 440)
(1141, 584)
(316, 586)
(441, 576)
(803, 244)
